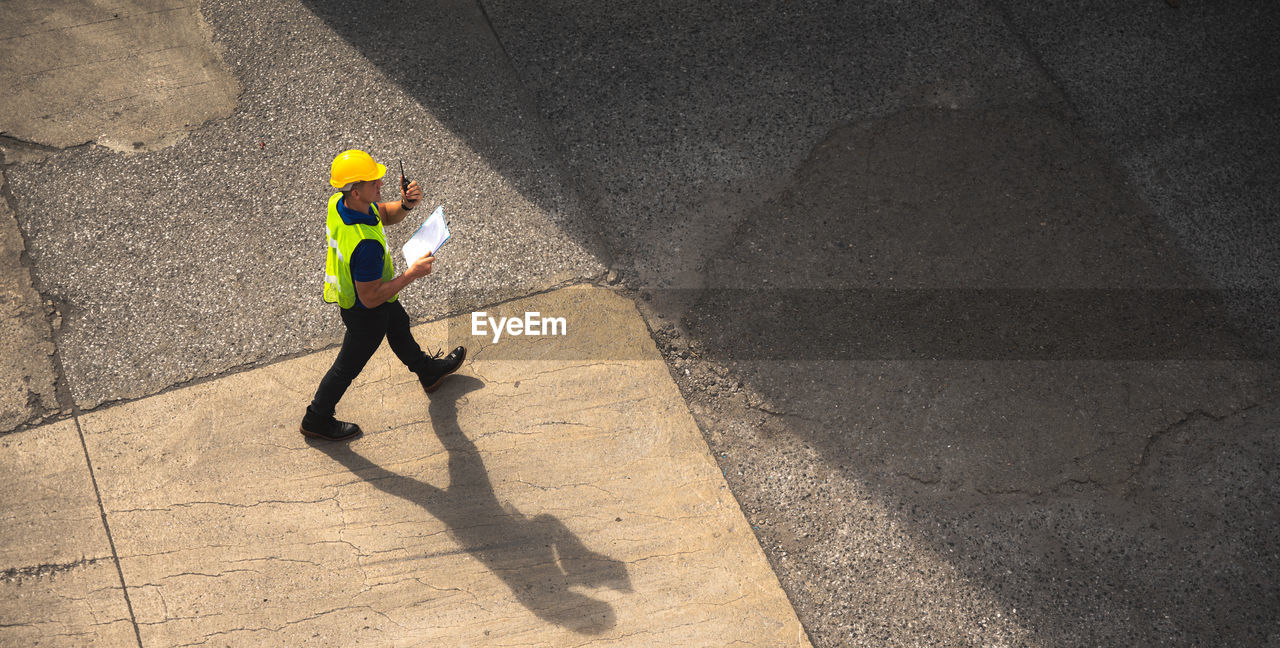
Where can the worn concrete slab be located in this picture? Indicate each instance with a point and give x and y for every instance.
(179, 263)
(126, 74)
(81, 606)
(58, 583)
(50, 512)
(28, 377)
(551, 502)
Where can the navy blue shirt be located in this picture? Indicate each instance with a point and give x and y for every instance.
(366, 261)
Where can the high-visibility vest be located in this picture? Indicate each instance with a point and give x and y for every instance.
(343, 239)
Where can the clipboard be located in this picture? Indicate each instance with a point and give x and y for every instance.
(428, 238)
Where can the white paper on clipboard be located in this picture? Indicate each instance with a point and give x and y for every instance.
(431, 234)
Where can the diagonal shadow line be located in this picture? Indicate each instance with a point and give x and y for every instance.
(447, 58)
(538, 558)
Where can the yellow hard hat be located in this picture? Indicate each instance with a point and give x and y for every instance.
(353, 166)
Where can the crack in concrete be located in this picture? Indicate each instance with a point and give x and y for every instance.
(569, 423)
(173, 551)
(200, 574)
(402, 426)
(502, 432)
(36, 624)
(1050, 490)
(47, 569)
(664, 518)
(164, 603)
(286, 624)
(193, 617)
(359, 554)
(666, 555)
(562, 486)
(278, 446)
(276, 559)
(1144, 457)
(227, 504)
(475, 600)
(539, 374)
(9, 141)
(1140, 465)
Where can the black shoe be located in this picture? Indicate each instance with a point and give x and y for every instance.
(327, 427)
(438, 368)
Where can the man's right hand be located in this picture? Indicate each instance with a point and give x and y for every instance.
(421, 267)
(375, 293)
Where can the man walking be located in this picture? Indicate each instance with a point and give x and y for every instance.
(360, 277)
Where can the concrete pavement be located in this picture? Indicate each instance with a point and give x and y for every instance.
(29, 377)
(541, 502)
(130, 75)
(61, 584)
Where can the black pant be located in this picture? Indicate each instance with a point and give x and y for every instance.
(365, 330)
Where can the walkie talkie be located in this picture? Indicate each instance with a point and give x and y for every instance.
(404, 182)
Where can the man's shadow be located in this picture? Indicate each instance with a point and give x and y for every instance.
(539, 558)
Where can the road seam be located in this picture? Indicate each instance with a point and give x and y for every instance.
(115, 557)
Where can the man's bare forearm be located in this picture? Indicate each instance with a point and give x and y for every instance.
(377, 294)
(393, 212)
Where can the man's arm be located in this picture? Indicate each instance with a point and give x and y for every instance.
(394, 212)
(375, 293)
